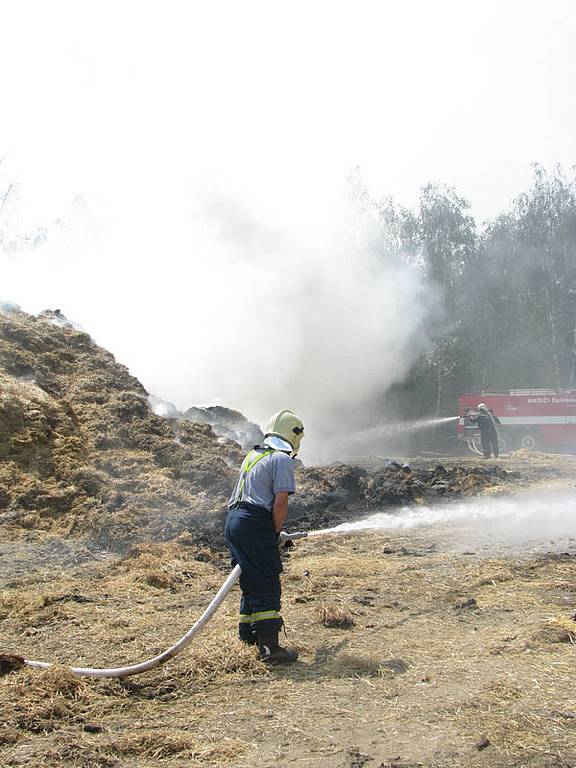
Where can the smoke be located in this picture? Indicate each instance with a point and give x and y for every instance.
(217, 301)
(263, 292)
(538, 520)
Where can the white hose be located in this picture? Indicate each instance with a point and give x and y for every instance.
(144, 666)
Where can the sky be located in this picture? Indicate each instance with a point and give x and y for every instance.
(187, 161)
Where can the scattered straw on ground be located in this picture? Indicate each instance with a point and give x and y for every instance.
(446, 651)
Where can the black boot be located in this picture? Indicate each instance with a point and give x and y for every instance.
(246, 634)
(267, 637)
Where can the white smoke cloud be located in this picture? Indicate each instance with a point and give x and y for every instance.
(227, 304)
(259, 293)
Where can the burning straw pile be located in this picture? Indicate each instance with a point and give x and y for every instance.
(83, 451)
(400, 635)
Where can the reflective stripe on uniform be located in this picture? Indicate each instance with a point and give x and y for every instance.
(247, 466)
(245, 618)
(263, 615)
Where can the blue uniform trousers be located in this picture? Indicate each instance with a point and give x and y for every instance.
(250, 536)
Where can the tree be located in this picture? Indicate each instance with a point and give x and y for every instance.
(446, 232)
(525, 305)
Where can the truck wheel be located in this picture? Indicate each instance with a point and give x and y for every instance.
(528, 441)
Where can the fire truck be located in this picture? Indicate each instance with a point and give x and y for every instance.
(534, 419)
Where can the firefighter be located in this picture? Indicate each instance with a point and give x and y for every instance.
(488, 424)
(258, 508)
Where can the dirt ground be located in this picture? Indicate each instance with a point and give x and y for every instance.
(416, 649)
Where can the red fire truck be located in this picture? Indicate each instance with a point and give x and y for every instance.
(535, 419)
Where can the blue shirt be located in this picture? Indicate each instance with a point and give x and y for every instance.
(271, 475)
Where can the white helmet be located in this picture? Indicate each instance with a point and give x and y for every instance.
(288, 426)
(482, 407)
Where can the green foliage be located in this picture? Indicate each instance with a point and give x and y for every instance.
(526, 288)
(508, 292)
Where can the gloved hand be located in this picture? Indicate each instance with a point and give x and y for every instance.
(285, 539)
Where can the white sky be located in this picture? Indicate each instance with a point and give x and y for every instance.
(123, 118)
(275, 96)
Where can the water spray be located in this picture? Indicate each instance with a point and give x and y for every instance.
(401, 427)
(530, 518)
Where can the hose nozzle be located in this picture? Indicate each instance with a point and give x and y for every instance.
(283, 537)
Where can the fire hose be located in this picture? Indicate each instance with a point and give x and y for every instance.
(169, 653)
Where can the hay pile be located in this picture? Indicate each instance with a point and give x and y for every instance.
(411, 654)
(81, 450)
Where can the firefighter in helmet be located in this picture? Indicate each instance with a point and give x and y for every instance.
(258, 508)
(488, 425)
